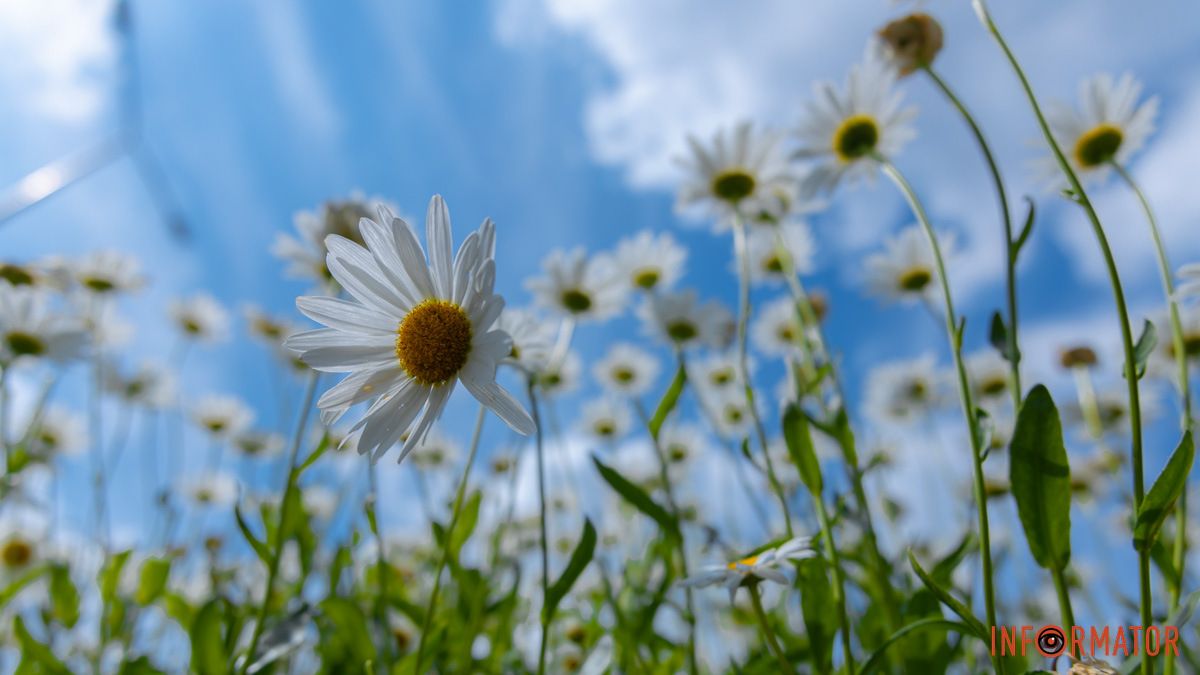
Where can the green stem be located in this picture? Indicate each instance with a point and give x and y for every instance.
(839, 586)
(381, 567)
(954, 333)
(541, 471)
(459, 493)
(1014, 359)
(1064, 600)
(284, 508)
(768, 633)
(1131, 380)
(739, 245)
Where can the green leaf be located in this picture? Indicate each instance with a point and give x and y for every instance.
(465, 527)
(257, 544)
(1041, 480)
(998, 336)
(1146, 343)
(152, 580)
(109, 578)
(580, 558)
(208, 647)
(347, 632)
(1027, 228)
(316, 454)
(816, 605)
(799, 441)
(35, 656)
(876, 659)
(1163, 494)
(668, 402)
(637, 497)
(21, 582)
(64, 597)
(975, 625)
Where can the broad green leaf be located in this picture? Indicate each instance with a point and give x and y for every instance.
(876, 659)
(64, 597)
(152, 580)
(799, 441)
(974, 624)
(35, 656)
(1027, 228)
(817, 607)
(465, 526)
(668, 402)
(347, 631)
(1163, 494)
(259, 547)
(1146, 343)
(208, 646)
(1041, 480)
(998, 336)
(579, 560)
(637, 497)
(109, 578)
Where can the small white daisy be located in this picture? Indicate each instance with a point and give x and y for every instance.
(679, 319)
(58, 432)
(1189, 282)
(768, 258)
(740, 171)
(23, 541)
(109, 330)
(413, 330)
(222, 417)
(626, 370)
(31, 330)
(556, 379)
(580, 287)
(731, 415)
(437, 451)
(305, 252)
(200, 318)
(902, 391)
(215, 490)
(749, 571)
(649, 261)
(845, 127)
(23, 274)
(683, 442)
(906, 269)
(258, 443)
(718, 371)
(605, 419)
(151, 384)
(107, 272)
(988, 374)
(532, 338)
(1110, 126)
(776, 331)
(319, 502)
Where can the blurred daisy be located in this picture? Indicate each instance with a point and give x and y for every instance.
(845, 127)
(258, 443)
(605, 419)
(22, 541)
(737, 172)
(21, 274)
(108, 329)
(150, 384)
(413, 330)
(212, 489)
(626, 370)
(269, 329)
(1162, 361)
(906, 269)
(1112, 410)
(320, 502)
(910, 42)
(58, 431)
(680, 319)
(902, 391)
(1189, 282)
(1110, 126)
(776, 331)
(200, 317)
(718, 371)
(437, 451)
(749, 571)
(988, 374)
(649, 261)
(30, 329)
(768, 258)
(305, 252)
(563, 377)
(105, 272)
(683, 441)
(222, 417)
(577, 286)
(532, 338)
(731, 415)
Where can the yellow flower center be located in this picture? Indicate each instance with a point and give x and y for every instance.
(748, 562)
(646, 278)
(21, 343)
(682, 330)
(773, 264)
(434, 341)
(576, 301)
(914, 279)
(15, 274)
(16, 553)
(98, 284)
(856, 137)
(623, 374)
(1098, 145)
(1191, 346)
(721, 377)
(733, 185)
(993, 386)
(604, 428)
(268, 329)
(677, 452)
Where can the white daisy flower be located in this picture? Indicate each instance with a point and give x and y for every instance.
(556, 379)
(23, 541)
(845, 127)
(579, 287)
(437, 451)
(1189, 282)
(151, 384)
(683, 442)
(740, 171)
(767, 257)
(319, 501)
(749, 571)
(605, 419)
(776, 331)
(988, 374)
(731, 414)
(271, 330)
(108, 329)
(649, 261)
(412, 331)
(58, 431)
(23, 274)
(106, 272)
(718, 371)
(1112, 407)
(532, 338)
(626, 370)
(30, 329)
(679, 319)
(258, 443)
(222, 417)
(212, 489)
(200, 317)
(906, 269)
(305, 252)
(1110, 126)
(902, 391)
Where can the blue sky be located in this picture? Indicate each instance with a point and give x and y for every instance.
(559, 118)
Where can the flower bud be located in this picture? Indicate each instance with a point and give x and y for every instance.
(1078, 357)
(912, 42)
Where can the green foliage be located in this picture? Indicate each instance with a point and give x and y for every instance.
(1163, 494)
(1040, 480)
(799, 442)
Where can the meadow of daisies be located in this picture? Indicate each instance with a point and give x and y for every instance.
(713, 524)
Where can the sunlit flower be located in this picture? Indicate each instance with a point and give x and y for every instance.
(200, 318)
(437, 451)
(532, 338)
(844, 128)
(902, 391)
(150, 384)
(906, 269)
(413, 330)
(1110, 126)
(768, 259)
(626, 370)
(58, 431)
(30, 329)
(222, 417)
(736, 172)
(776, 331)
(911, 42)
(749, 571)
(305, 252)
(648, 261)
(258, 443)
(680, 319)
(215, 490)
(605, 419)
(580, 287)
(1189, 282)
(105, 272)
(988, 373)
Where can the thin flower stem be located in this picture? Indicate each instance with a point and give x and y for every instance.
(839, 586)
(381, 567)
(954, 333)
(768, 633)
(739, 244)
(284, 509)
(1012, 344)
(99, 477)
(4, 419)
(1131, 379)
(1064, 600)
(447, 536)
(541, 471)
